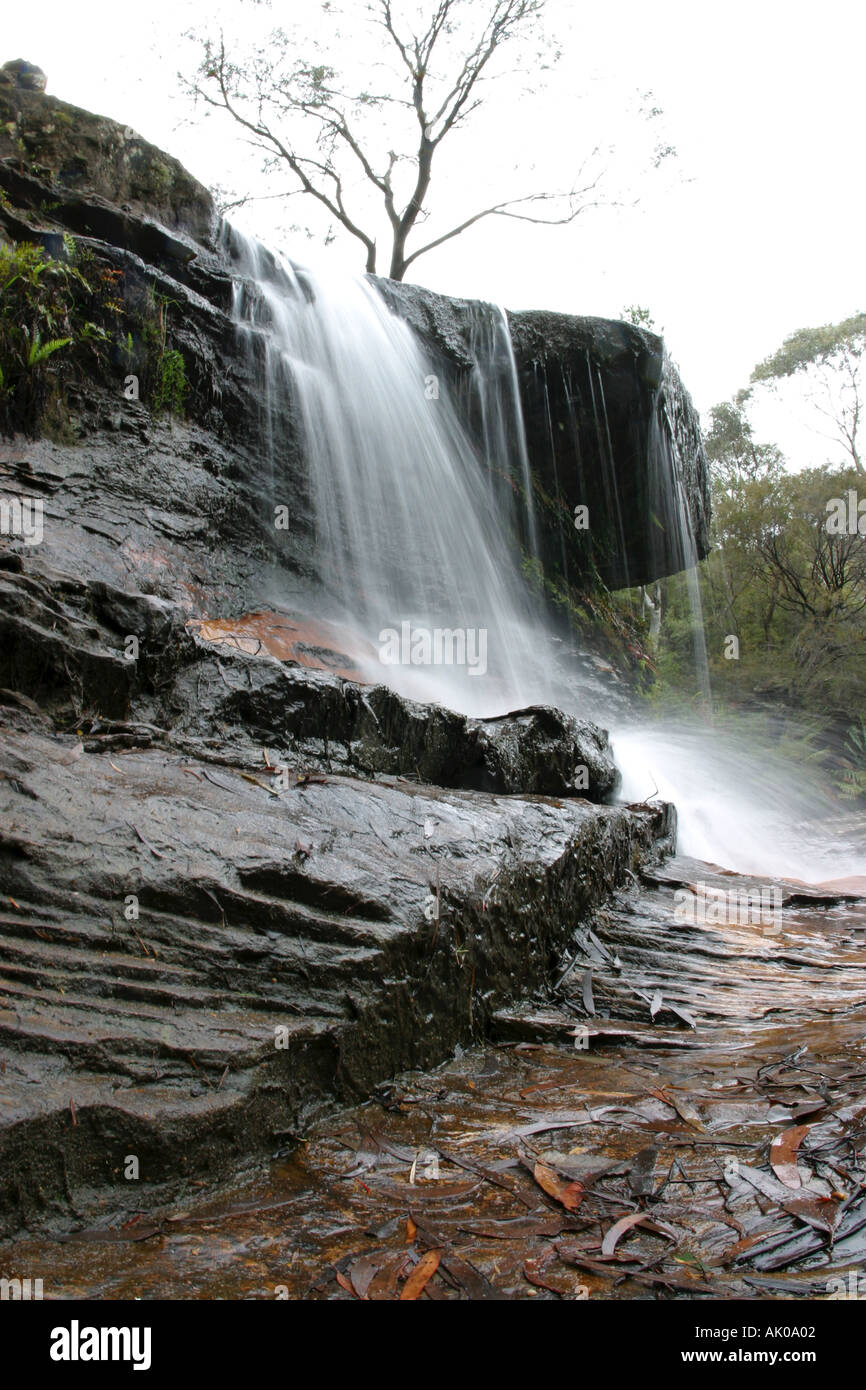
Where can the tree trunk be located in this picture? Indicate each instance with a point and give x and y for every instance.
(398, 253)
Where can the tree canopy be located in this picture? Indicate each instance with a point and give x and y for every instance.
(829, 360)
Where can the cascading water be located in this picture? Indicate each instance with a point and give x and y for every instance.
(409, 544)
(417, 530)
(493, 396)
(666, 442)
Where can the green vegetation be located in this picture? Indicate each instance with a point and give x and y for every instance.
(603, 622)
(827, 363)
(639, 316)
(167, 384)
(171, 384)
(854, 760)
(787, 574)
(56, 316)
(64, 318)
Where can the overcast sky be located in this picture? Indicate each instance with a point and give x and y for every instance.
(755, 230)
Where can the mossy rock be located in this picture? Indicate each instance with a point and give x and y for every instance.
(92, 155)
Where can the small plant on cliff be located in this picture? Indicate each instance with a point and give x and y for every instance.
(39, 352)
(53, 317)
(167, 368)
(171, 385)
(639, 316)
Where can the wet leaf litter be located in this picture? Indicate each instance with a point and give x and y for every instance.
(635, 1159)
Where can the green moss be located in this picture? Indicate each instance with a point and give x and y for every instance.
(157, 178)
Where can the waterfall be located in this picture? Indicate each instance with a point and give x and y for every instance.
(671, 467)
(412, 543)
(494, 400)
(419, 509)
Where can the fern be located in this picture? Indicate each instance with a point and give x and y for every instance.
(39, 351)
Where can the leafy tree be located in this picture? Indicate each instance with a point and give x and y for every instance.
(732, 452)
(340, 144)
(639, 316)
(745, 479)
(829, 359)
(790, 587)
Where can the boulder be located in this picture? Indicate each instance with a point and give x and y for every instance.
(26, 76)
(92, 159)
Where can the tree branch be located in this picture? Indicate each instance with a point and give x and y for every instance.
(504, 210)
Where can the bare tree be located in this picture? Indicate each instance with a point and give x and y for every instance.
(308, 123)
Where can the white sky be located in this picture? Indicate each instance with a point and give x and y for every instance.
(757, 230)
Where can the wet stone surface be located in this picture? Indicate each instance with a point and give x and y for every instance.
(616, 1157)
(199, 954)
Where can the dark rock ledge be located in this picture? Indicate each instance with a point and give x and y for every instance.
(367, 925)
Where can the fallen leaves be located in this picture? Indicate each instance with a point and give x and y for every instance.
(569, 1194)
(421, 1275)
(641, 1178)
(684, 1108)
(536, 1271)
(783, 1155)
(619, 1228)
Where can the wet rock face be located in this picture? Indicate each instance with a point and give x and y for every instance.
(613, 427)
(195, 963)
(66, 646)
(609, 425)
(235, 890)
(542, 750)
(372, 731)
